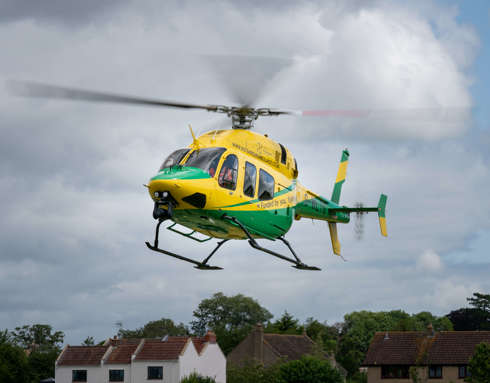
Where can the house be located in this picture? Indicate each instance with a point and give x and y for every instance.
(267, 349)
(138, 360)
(435, 356)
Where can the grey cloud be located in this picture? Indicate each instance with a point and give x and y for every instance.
(57, 11)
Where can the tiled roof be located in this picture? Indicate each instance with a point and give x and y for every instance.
(155, 349)
(199, 343)
(82, 355)
(456, 347)
(291, 347)
(413, 347)
(121, 354)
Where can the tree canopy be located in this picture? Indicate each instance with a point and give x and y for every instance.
(472, 318)
(231, 318)
(480, 364)
(155, 329)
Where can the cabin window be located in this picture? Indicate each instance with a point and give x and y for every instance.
(174, 159)
(78, 375)
(155, 373)
(266, 185)
(249, 179)
(295, 171)
(206, 159)
(284, 154)
(229, 171)
(435, 371)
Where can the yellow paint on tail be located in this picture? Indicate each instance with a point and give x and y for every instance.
(342, 171)
(332, 226)
(382, 226)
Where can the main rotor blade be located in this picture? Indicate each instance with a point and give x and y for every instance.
(39, 90)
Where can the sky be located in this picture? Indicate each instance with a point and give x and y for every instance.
(75, 213)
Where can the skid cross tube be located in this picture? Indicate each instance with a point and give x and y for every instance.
(198, 265)
(297, 262)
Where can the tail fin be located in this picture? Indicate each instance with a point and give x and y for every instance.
(340, 176)
(382, 215)
(332, 226)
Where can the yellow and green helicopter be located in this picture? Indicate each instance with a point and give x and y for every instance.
(231, 184)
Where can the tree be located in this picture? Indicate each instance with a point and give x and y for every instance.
(40, 335)
(480, 364)
(5, 337)
(14, 367)
(156, 329)
(41, 364)
(468, 319)
(322, 334)
(89, 341)
(472, 318)
(231, 318)
(287, 324)
(309, 369)
(480, 301)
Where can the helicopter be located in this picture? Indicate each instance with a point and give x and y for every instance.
(230, 184)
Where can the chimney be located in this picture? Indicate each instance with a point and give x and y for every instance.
(430, 331)
(258, 343)
(210, 337)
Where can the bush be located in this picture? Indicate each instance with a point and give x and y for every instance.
(196, 378)
(253, 372)
(309, 369)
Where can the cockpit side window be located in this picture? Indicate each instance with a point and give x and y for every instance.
(249, 179)
(228, 173)
(284, 154)
(266, 186)
(206, 159)
(174, 159)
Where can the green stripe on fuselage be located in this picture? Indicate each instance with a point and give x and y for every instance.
(181, 173)
(277, 194)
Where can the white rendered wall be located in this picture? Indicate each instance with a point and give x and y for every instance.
(189, 362)
(139, 371)
(213, 363)
(95, 374)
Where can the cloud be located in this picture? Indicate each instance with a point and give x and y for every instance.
(429, 261)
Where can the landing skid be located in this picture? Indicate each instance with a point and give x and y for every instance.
(203, 265)
(298, 264)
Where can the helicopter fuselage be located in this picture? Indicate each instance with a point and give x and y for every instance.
(237, 173)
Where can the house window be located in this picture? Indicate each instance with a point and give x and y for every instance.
(435, 371)
(463, 372)
(155, 372)
(390, 372)
(78, 375)
(116, 375)
(266, 185)
(228, 174)
(249, 179)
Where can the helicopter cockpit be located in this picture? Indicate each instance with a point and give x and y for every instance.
(174, 158)
(206, 159)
